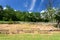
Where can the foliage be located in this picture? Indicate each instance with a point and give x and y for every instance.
(9, 14)
(57, 17)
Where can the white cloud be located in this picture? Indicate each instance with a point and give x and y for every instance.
(15, 10)
(32, 4)
(4, 8)
(42, 11)
(54, 8)
(47, 10)
(30, 12)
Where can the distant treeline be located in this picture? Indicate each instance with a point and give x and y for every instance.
(9, 14)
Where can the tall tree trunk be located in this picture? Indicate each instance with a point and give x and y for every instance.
(58, 24)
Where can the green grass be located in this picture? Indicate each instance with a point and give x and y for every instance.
(30, 37)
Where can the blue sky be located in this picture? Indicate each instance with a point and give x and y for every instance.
(28, 5)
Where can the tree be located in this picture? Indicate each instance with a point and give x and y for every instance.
(1, 12)
(10, 14)
(50, 10)
(57, 17)
(45, 16)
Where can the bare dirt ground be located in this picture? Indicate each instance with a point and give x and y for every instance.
(27, 28)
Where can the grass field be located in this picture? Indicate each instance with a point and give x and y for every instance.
(23, 35)
(30, 37)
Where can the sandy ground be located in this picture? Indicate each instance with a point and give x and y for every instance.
(26, 28)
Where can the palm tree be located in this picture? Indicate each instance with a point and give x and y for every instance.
(57, 17)
(50, 11)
